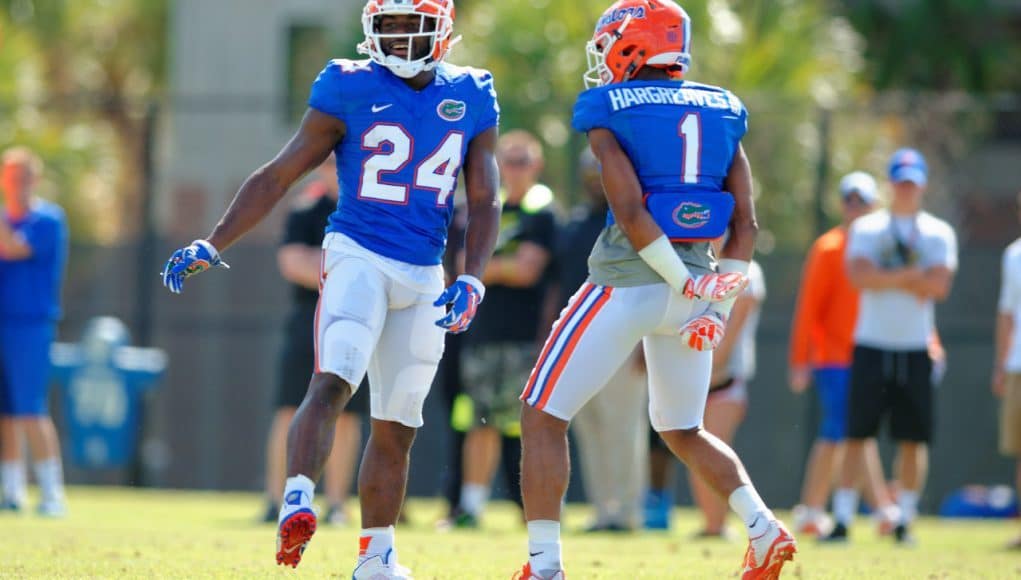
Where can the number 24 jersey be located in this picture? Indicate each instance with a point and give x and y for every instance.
(399, 160)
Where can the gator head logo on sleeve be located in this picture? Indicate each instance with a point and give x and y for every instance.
(451, 110)
(690, 214)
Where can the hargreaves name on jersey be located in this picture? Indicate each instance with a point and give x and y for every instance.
(625, 97)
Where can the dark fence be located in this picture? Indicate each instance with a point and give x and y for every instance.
(206, 425)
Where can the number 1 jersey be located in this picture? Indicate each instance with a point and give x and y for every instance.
(399, 160)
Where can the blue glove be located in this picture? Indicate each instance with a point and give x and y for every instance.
(463, 297)
(198, 257)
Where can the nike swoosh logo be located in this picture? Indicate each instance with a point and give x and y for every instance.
(534, 554)
(378, 108)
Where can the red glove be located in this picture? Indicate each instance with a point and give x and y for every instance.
(705, 332)
(715, 287)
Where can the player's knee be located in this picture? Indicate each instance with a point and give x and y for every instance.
(329, 389)
(535, 422)
(392, 438)
(345, 348)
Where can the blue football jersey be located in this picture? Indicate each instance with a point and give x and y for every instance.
(399, 161)
(680, 136)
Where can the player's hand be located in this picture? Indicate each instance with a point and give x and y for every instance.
(198, 257)
(463, 298)
(715, 287)
(704, 332)
(799, 377)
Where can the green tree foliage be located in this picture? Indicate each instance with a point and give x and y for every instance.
(75, 77)
(970, 45)
(784, 58)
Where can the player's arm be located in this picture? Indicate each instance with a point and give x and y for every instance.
(624, 194)
(933, 284)
(1006, 306)
(482, 180)
(13, 247)
(307, 149)
(816, 280)
(300, 264)
(743, 226)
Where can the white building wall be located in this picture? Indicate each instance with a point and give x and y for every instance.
(228, 77)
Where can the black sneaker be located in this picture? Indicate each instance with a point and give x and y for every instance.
(902, 535)
(836, 536)
(465, 520)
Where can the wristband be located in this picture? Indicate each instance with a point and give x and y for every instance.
(474, 283)
(661, 257)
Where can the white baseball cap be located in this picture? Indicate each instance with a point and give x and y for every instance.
(861, 183)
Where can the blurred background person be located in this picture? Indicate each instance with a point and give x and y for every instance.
(611, 428)
(903, 260)
(727, 404)
(33, 252)
(503, 343)
(1007, 365)
(298, 259)
(820, 353)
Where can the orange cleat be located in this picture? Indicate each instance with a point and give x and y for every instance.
(526, 574)
(768, 553)
(293, 536)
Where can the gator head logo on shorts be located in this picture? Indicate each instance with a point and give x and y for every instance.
(451, 110)
(690, 215)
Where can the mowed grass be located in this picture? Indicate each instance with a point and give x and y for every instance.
(130, 533)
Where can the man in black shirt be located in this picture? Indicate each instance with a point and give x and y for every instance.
(299, 261)
(503, 342)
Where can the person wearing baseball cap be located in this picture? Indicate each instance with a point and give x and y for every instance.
(903, 260)
(821, 346)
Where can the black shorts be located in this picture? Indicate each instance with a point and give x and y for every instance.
(898, 383)
(297, 362)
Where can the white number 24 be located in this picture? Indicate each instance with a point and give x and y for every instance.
(437, 172)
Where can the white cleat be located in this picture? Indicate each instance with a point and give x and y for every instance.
(526, 573)
(52, 508)
(379, 567)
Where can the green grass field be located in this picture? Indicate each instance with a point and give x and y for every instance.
(128, 533)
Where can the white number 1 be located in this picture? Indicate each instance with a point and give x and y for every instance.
(690, 131)
(437, 172)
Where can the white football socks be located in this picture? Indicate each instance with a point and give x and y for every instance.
(377, 542)
(14, 481)
(907, 500)
(50, 476)
(473, 498)
(298, 492)
(544, 550)
(845, 504)
(747, 504)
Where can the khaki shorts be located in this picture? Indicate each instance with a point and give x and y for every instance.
(1010, 417)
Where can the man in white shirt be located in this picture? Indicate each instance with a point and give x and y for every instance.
(903, 260)
(1007, 367)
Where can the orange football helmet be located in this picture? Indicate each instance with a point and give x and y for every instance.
(437, 25)
(636, 33)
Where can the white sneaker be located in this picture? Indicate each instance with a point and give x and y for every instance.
(52, 508)
(811, 522)
(379, 567)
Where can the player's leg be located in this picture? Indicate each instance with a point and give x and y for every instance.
(340, 467)
(867, 404)
(911, 426)
(587, 344)
(28, 375)
(831, 388)
(1010, 434)
(482, 371)
(401, 373)
(678, 388)
(13, 478)
(352, 307)
(723, 415)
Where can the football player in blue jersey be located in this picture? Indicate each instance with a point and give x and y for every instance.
(676, 177)
(402, 124)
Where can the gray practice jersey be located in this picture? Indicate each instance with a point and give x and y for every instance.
(614, 262)
(895, 319)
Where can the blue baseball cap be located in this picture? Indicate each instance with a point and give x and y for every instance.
(908, 165)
